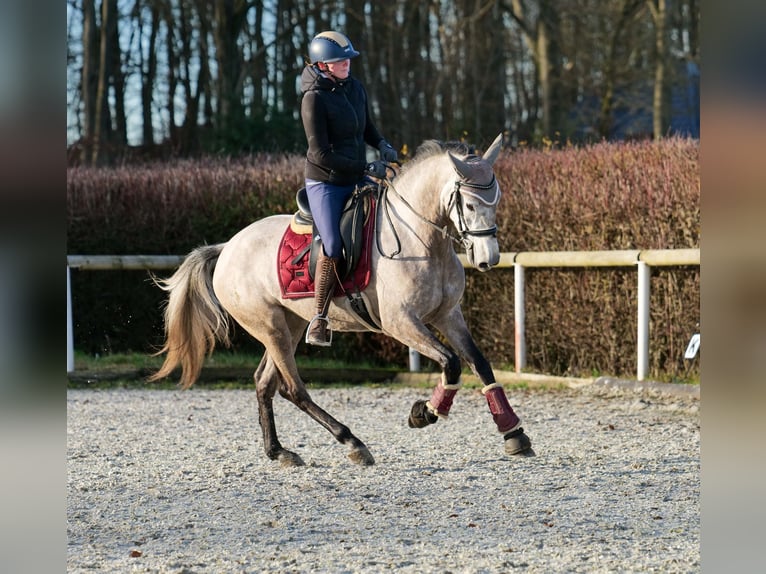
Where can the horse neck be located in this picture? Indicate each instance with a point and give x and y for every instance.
(418, 213)
(423, 189)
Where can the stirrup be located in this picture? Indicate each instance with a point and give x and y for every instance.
(325, 343)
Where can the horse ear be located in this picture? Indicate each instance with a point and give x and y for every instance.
(460, 166)
(494, 150)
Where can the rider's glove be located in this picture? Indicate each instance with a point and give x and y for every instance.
(376, 169)
(387, 152)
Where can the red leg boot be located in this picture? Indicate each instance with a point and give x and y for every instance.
(506, 420)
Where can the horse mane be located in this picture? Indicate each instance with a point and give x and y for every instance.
(431, 148)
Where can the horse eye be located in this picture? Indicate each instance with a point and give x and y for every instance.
(470, 207)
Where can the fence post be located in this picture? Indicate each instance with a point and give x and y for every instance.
(414, 361)
(644, 275)
(69, 332)
(520, 342)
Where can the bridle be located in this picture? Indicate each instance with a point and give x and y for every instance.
(457, 196)
(466, 234)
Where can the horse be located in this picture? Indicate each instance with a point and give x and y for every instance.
(443, 196)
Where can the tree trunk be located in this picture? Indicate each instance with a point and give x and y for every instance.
(549, 38)
(289, 59)
(205, 80)
(120, 120)
(693, 27)
(188, 134)
(172, 73)
(102, 123)
(542, 39)
(89, 81)
(258, 67)
(629, 9)
(149, 73)
(229, 16)
(658, 11)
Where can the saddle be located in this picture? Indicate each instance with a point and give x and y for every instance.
(299, 248)
(355, 215)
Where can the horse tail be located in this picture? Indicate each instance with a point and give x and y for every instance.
(194, 318)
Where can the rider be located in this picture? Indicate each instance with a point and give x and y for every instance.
(337, 122)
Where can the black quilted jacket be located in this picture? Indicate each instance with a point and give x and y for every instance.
(337, 123)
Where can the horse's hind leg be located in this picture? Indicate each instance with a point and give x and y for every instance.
(281, 341)
(267, 381)
(300, 397)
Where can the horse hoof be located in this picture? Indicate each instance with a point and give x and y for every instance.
(289, 459)
(361, 456)
(517, 442)
(420, 416)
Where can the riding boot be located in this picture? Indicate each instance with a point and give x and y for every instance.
(318, 332)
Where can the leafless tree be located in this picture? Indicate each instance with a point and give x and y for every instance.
(222, 75)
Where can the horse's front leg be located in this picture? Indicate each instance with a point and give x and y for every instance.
(508, 423)
(417, 336)
(424, 413)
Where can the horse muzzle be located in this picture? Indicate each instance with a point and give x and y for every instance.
(483, 254)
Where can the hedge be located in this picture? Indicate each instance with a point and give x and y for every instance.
(609, 196)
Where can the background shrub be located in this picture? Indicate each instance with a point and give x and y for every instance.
(640, 195)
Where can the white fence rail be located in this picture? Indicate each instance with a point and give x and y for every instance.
(642, 259)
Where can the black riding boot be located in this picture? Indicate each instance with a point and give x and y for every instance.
(318, 332)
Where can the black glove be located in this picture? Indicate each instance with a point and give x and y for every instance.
(376, 169)
(387, 152)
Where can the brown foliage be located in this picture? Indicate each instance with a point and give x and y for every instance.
(604, 197)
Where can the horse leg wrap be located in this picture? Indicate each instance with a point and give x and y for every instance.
(505, 419)
(441, 399)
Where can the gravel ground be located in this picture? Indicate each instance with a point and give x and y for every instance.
(177, 481)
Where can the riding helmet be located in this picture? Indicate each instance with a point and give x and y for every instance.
(331, 47)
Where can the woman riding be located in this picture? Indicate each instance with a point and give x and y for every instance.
(337, 122)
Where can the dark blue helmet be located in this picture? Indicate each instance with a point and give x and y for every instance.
(331, 47)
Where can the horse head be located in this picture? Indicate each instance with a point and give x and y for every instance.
(472, 206)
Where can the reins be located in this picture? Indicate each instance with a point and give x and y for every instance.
(464, 231)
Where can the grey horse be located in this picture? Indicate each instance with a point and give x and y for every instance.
(442, 197)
